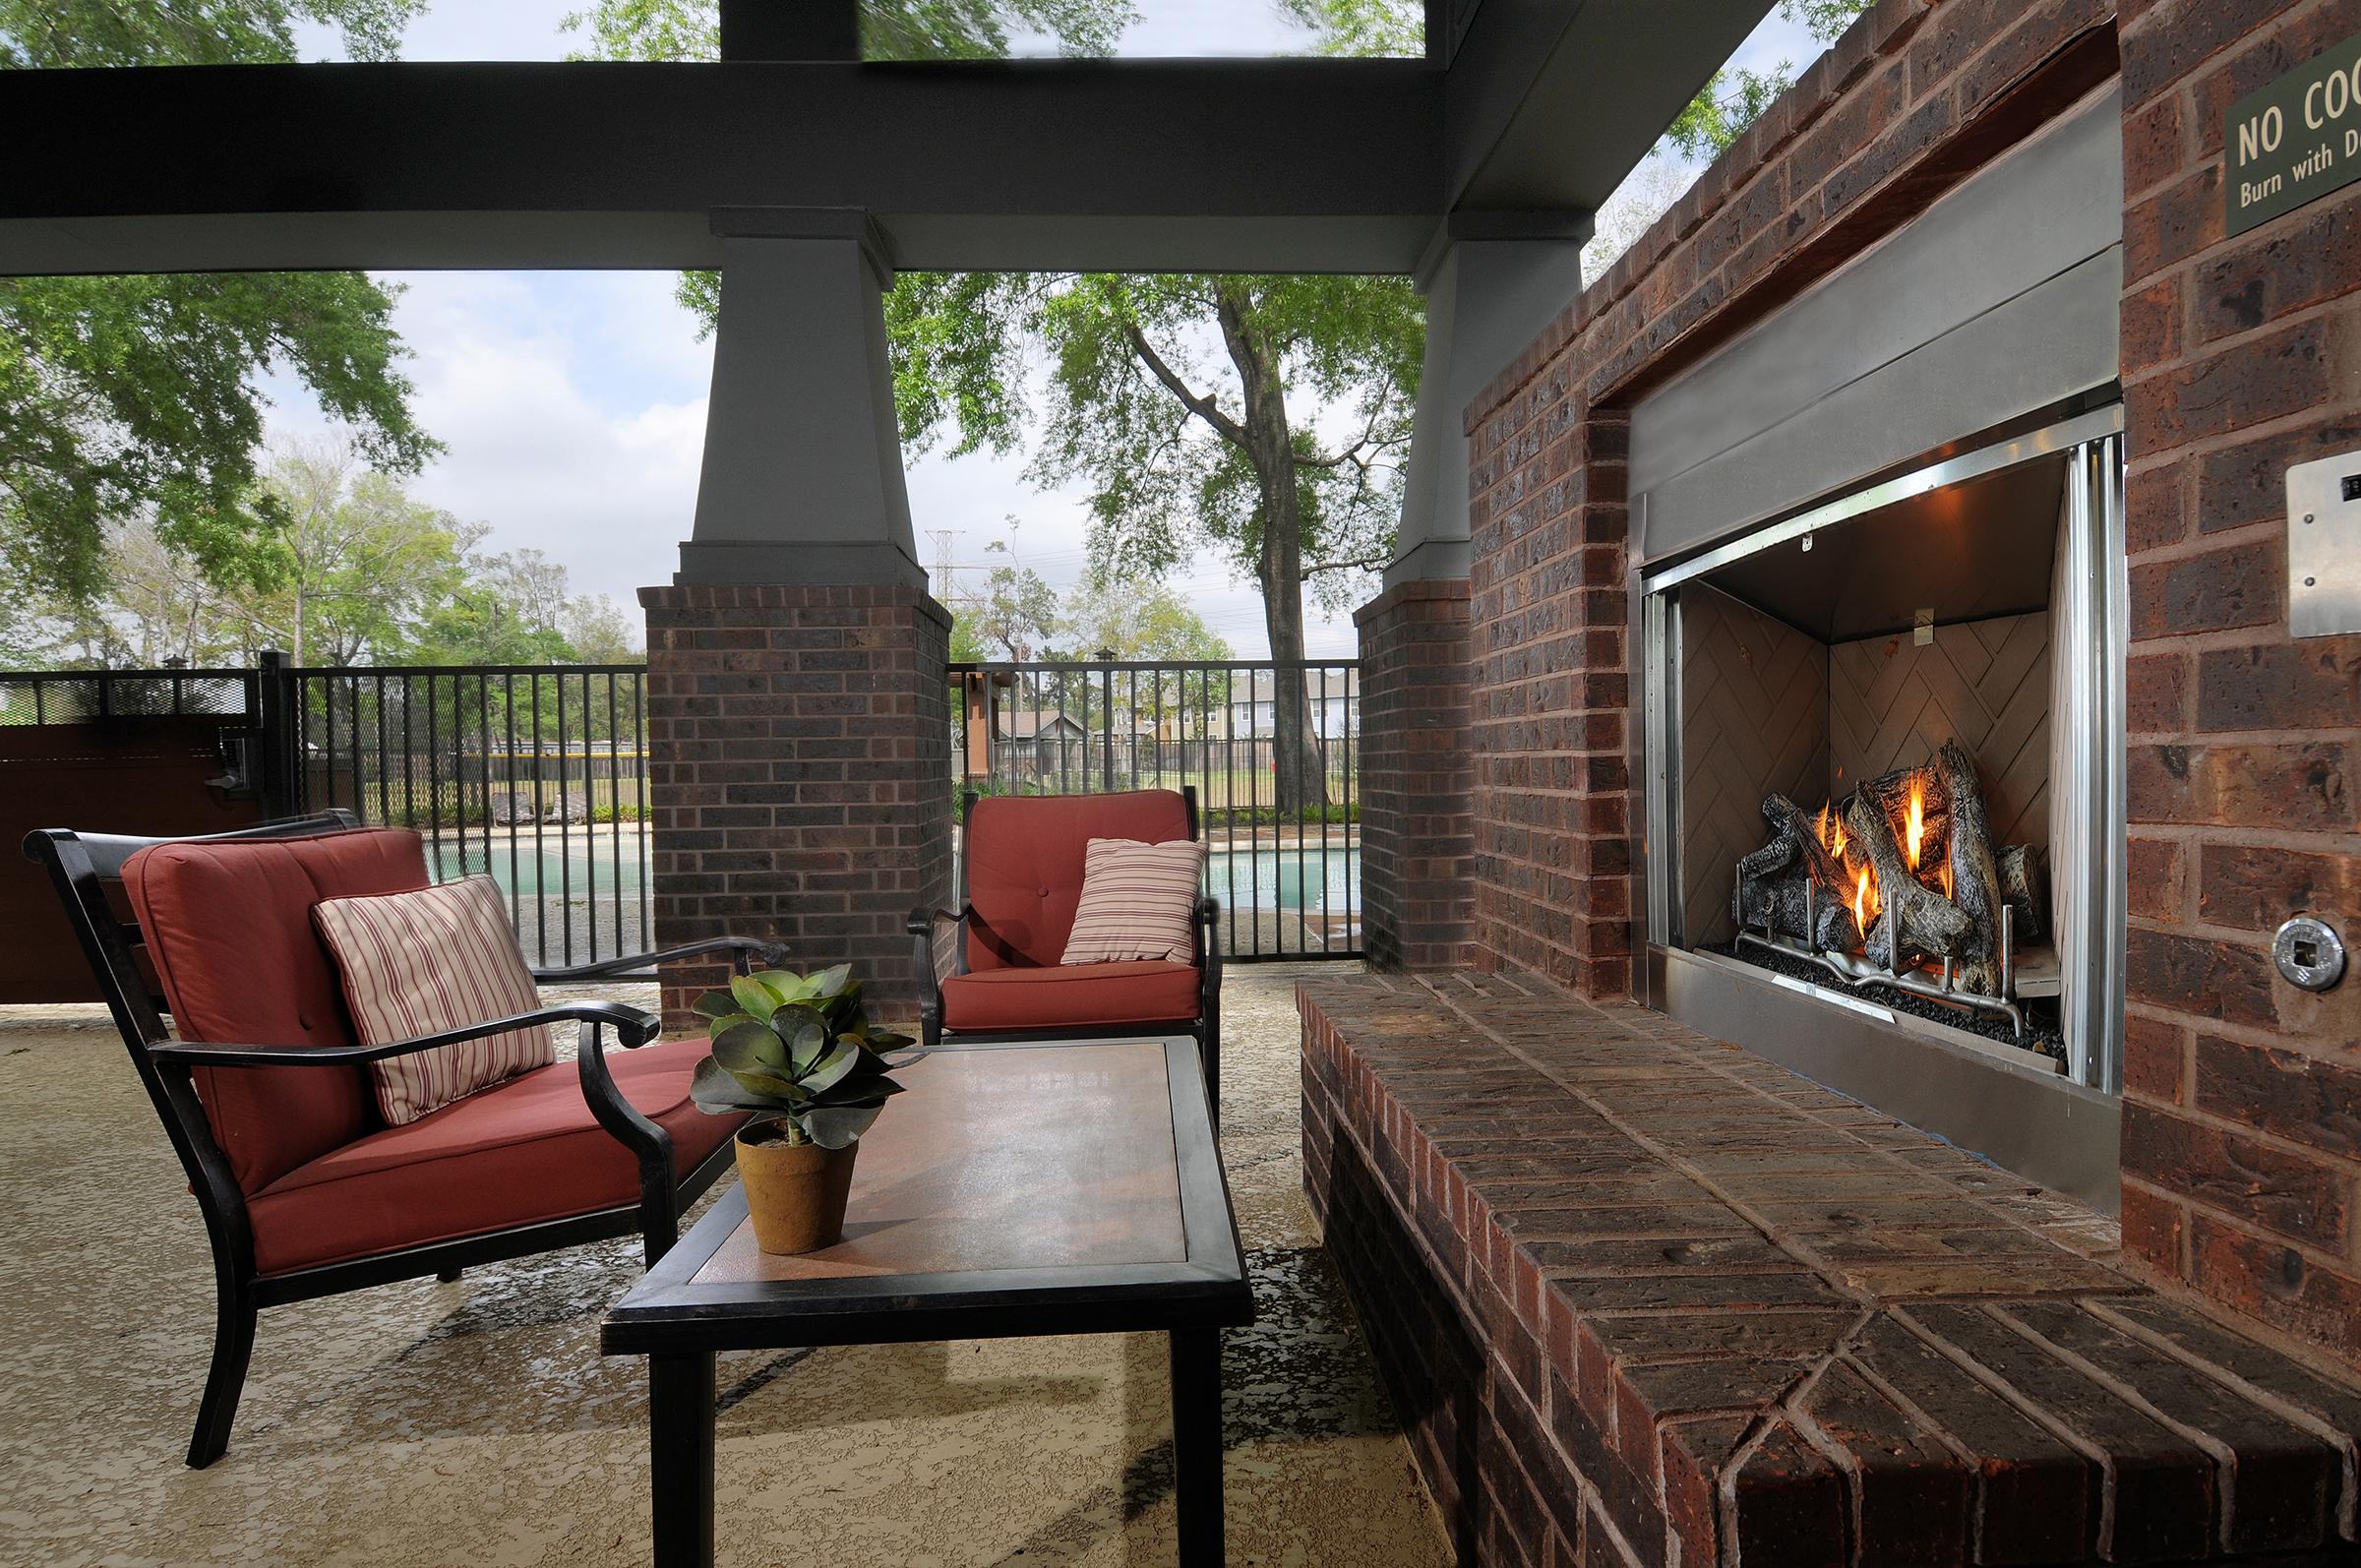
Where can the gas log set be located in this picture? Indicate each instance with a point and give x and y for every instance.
(1899, 886)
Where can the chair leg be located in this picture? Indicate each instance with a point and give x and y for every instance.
(234, 1346)
(448, 1276)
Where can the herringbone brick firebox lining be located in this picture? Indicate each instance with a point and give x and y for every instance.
(1641, 1296)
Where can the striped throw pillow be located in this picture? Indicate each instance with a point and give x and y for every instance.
(421, 962)
(1136, 901)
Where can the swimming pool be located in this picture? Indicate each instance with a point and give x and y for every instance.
(609, 864)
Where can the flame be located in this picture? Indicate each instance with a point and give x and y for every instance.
(1914, 833)
(1866, 903)
(1947, 879)
(1831, 831)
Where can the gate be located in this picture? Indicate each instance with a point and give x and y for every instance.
(1272, 748)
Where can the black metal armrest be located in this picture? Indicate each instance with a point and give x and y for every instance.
(745, 948)
(634, 1026)
(1208, 910)
(923, 920)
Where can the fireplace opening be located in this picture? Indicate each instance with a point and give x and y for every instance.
(1877, 752)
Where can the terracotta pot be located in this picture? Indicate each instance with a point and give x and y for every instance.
(795, 1192)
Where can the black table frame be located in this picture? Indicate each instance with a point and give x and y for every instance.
(678, 1325)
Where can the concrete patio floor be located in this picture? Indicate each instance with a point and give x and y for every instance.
(476, 1423)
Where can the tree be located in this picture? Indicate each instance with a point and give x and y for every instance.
(1732, 100)
(1012, 620)
(356, 565)
(125, 398)
(890, 29)
(1137, 620)
(599, 632)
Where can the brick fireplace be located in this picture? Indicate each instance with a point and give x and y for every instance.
(2011, 219)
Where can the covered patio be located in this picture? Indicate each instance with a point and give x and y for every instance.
(431, 1423)
(1854, 1065)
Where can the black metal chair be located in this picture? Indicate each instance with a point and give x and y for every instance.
(83, 866)
(1020, 878)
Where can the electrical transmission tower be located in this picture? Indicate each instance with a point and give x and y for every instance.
(946, 590)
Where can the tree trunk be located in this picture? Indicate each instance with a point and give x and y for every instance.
(1298, 770)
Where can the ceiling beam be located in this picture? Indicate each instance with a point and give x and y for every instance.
(1551, 103)
(1236, 166)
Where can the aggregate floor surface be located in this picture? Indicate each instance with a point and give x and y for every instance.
(475, 1422)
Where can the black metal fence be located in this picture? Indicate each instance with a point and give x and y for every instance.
(76, 697)
(536, 775)
(1272, 748)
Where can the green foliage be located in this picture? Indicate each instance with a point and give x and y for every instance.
(1361, 28)
(799, 1049)
(133, 396)
(1224, 816)
(1154, 420)
(354, 571)
(979, 29)
(40, 33)
(1730, 103)
(890, 29)
(1012, 620)
(1136, 621)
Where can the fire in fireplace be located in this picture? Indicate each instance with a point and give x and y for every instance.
(1881, 768)
(1899, 886)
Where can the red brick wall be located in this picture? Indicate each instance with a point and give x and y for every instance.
(2242, 1126)
(800, 742)
(1416, 834)
(1915, 98)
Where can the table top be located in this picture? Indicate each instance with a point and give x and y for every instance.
(1068, 1187)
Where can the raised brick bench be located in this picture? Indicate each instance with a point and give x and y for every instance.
(1642, 1297)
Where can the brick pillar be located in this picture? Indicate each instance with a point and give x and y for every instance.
(800, 743)
(2242, 1113)
(1551, 688)
(1417, 846)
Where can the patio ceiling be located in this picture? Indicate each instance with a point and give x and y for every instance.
(1527, 121)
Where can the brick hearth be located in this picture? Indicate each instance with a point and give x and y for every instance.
(1643, 1297)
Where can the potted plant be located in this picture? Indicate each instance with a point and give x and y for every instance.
(796, 1050)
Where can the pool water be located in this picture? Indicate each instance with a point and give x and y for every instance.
(1275, 876)
(1264, 876)
(552, 869)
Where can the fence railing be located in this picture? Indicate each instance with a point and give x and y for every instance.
(73, 696)
(1271, 748)
(538, 774)
(534, 775)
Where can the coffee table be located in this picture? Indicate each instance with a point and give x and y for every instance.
(1014, 1190)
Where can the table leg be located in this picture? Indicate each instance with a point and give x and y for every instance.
(680, 1451)
(1197, 1354)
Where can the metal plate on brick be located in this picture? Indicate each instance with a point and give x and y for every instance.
(2324, 547)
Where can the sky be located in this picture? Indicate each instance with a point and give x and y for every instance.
(573, 404)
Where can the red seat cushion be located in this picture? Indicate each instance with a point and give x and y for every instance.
(1081, 995)
(1024, 867)
(228, 925)
(518, 1153)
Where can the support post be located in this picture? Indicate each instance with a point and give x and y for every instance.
(798, 706)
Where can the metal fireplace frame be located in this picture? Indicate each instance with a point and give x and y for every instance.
(2057, 1127)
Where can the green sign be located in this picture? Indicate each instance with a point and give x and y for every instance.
(2294, 141)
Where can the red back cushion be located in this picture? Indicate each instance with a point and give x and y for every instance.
(230, 927)
(1024, 866)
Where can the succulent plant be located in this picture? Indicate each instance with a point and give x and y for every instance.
(797, 1050)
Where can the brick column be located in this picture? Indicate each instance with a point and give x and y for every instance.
(800, 742)
(2242, 1115)
(1551, 688)
(1418, 842)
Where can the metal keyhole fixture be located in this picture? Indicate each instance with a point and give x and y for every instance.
(2309, 952)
